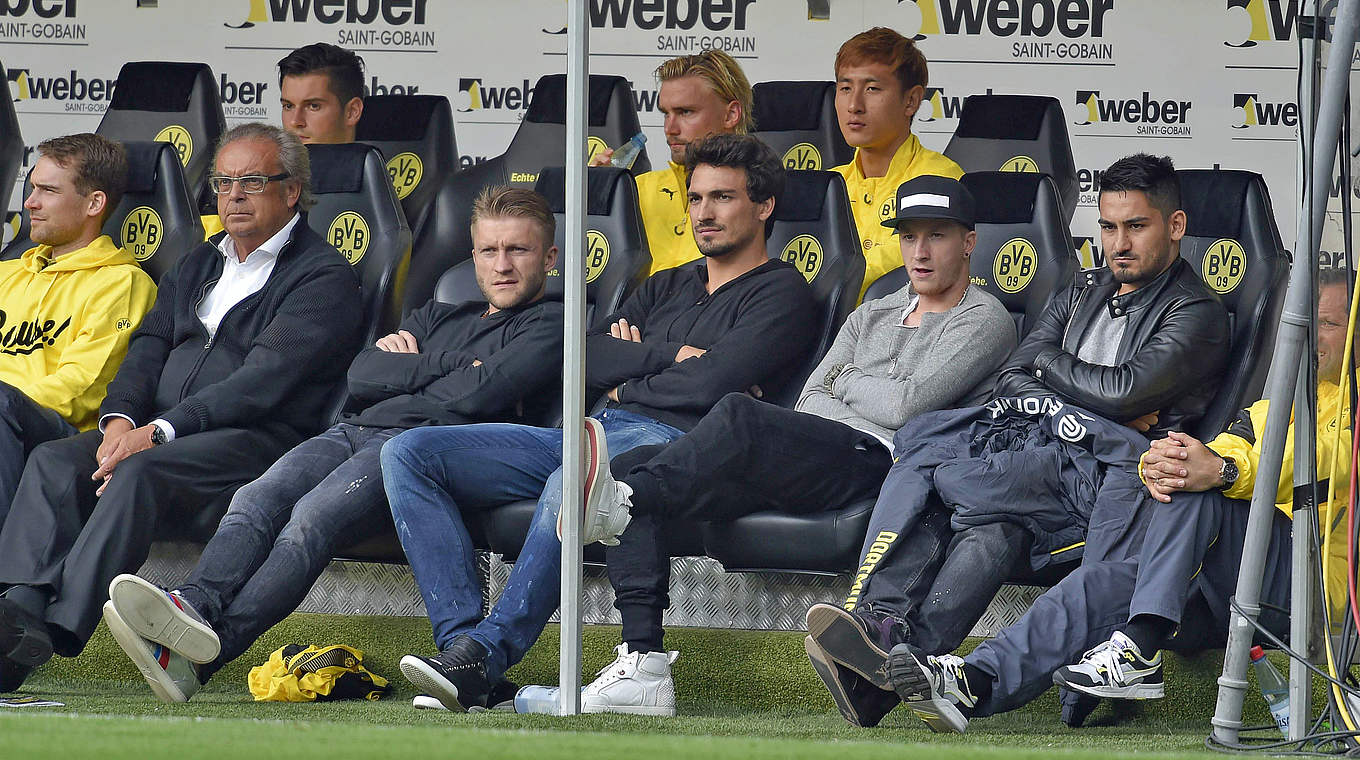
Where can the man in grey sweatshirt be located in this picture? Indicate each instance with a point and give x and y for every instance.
(932, 345)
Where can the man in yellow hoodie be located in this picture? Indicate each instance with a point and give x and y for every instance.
(1174, 594)
(880, 80)
(68, 305)
(701, 95)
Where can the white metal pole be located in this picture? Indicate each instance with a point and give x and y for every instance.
(1289, 349)
(573, 358)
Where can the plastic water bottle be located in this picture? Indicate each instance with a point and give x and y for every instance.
(626, 154)
(1273, 687)
(537, 699)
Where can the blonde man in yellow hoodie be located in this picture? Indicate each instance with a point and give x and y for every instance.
(68, 305)
(700, 95)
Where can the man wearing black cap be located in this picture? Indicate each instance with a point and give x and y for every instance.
(973, 494)
(931, 345)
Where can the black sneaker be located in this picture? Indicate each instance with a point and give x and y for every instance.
(860, 702)
(24, 645)
(859, 640)
(502, 696)
(456, 676)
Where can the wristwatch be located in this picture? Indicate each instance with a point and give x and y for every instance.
(1227, 474)
(158, 435)
(830, 380)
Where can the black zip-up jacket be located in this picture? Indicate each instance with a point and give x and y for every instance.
(755, 330)
(519, 376)
(276, 358)
(1173, 352)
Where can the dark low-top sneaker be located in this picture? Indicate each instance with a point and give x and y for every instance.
(24, 645)
(456, 676)
(860, 702)
(859, 640)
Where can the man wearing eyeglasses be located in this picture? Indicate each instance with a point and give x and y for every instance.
(235, 364)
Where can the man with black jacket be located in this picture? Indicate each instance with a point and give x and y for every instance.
(232, 366)
(685, 339)
(974, 493)
(446, 365)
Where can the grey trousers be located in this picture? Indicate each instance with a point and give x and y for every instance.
(1190, 557)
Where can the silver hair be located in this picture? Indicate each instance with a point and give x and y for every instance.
(292, 154)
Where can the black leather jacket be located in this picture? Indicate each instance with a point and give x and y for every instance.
(1171, 357)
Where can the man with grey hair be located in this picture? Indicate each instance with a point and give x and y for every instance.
(234, 365)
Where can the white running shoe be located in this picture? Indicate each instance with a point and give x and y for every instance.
(1115, 669)
(934, 688)
(170, 675)
(164, 617)
(634, 683)
(605, 512)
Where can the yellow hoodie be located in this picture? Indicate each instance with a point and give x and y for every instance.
(874, 199)
(663, 201)
(65, 324)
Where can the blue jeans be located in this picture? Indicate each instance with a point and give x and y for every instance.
(23, 425)
(432, 474)
(281, 531)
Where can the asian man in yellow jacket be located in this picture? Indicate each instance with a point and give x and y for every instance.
(68, 305)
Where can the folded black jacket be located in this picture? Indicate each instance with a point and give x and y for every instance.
(276, 360)
(756, 330)
(1172, 355)
(518, 377)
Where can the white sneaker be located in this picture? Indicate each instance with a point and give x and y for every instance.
(170, 675)
(634, 683)
(164, 617)
(1115, 669)
(605, 512)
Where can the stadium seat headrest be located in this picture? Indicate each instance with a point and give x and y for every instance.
(785, 106)
(804, 196)
(1214, 202)
(549, 105)
(600, 185)
(1004, 197)
(397, 117)
(155, 86)
(142, 158)
(1015, 117)
(338, 168)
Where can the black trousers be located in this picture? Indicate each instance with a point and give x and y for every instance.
(64, 541)
(24, 425)
(744, 456)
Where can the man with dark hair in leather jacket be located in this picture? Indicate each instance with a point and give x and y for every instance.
(1141, 342)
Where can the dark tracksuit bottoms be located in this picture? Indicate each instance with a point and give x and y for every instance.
(1189, 558)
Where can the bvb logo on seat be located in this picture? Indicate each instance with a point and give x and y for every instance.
(1014, 265)
(179, 137)
(803, 156)
(1224, 264)
(349, 234)
(406, 170)
(597, 254)
(1020, 164)
(142, 230)
(805, 253)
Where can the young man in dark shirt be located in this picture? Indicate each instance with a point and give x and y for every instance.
(446, 365)
(688, 337)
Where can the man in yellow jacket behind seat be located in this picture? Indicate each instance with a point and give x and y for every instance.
(68, 305)
(880, 80)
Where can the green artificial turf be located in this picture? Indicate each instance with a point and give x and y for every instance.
(741, 694)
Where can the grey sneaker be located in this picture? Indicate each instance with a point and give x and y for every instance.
(171, 676)
(1115, 669)
(164, 617)
(935, 689)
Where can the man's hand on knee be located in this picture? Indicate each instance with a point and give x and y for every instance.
(1180, 462)
(129, 443)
